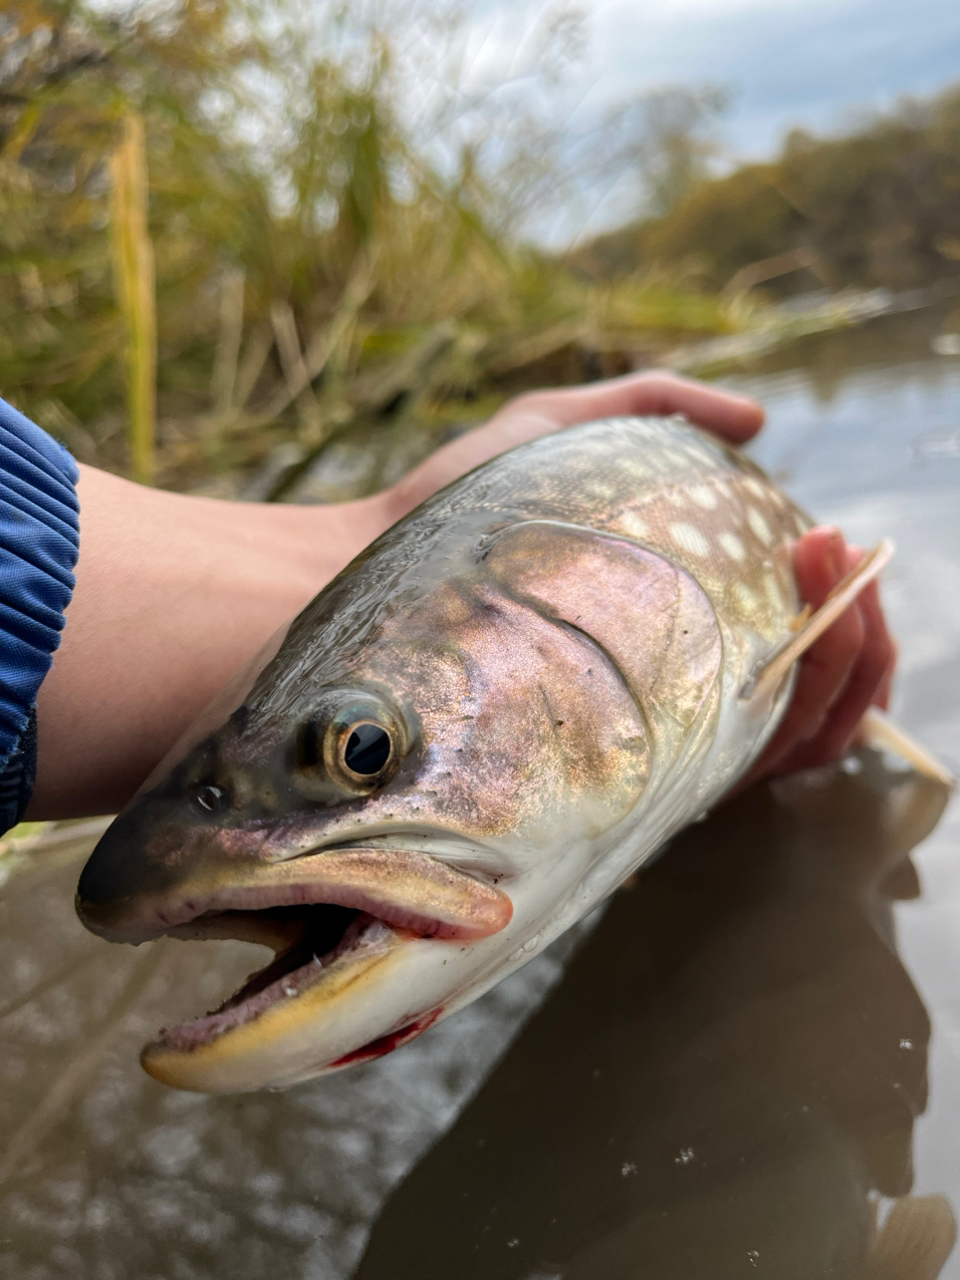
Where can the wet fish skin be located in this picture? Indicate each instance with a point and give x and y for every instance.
(557, 644)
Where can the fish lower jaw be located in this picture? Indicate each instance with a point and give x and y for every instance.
(291, 973)
(350, 1005)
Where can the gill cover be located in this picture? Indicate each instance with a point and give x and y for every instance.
(650, 618)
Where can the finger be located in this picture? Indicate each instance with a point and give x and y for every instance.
(734, 417)
(863, 683)
(820, 561)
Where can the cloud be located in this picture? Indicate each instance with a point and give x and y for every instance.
(787, 61)
(815, 63)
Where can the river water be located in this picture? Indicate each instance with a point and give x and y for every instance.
(749, 1066)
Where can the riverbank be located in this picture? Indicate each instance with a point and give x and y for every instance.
(778, 325)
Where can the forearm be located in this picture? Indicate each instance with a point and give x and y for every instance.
(173, 594)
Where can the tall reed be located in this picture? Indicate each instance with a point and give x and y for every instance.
(135, 290)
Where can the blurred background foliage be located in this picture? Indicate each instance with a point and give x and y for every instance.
(339, 231)
(877, 207)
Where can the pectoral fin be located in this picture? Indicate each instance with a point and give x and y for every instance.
(767, 676)
(881, 733)
(916, 1240)
(877, 729)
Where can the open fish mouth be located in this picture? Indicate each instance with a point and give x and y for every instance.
(317, 937)
(330, 917)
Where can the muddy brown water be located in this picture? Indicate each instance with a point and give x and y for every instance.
(749, 1066)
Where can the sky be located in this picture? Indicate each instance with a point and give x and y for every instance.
(809, 62)
(817, 63)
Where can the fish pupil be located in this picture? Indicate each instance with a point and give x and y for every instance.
(367, 750)
(209, 798)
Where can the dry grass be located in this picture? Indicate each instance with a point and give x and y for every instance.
(319, 265)
(136, 290)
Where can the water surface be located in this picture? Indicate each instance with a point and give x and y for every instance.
(750, 1067)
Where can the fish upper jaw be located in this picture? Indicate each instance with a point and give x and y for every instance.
(405, 888)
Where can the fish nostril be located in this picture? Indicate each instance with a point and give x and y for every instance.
(210, 798)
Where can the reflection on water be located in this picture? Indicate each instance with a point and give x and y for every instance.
(727, 1077)
(764, 1058)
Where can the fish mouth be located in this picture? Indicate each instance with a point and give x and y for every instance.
(328, 916)
(318, 938)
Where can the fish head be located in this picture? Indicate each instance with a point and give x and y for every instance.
(404, 796)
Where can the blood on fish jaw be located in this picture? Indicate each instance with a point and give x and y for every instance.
(383, 1045)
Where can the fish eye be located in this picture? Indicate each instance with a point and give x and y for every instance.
(210, 798)
(363, 745)
(355, 741)
(367, 748)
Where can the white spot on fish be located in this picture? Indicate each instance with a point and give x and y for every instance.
(675, 497)
(633, 525)
(690, 539)
(755, 487)
(746, 598)
(759, 526)
(732, 546)
(773, 594)
(703, 496)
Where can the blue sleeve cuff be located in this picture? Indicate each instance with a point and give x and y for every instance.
(39, 541)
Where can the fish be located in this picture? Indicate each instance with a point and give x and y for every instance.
(469, 739)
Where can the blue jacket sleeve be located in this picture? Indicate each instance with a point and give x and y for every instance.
(39, 540)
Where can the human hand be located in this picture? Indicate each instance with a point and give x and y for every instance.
(850, 667)
(537, 413)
